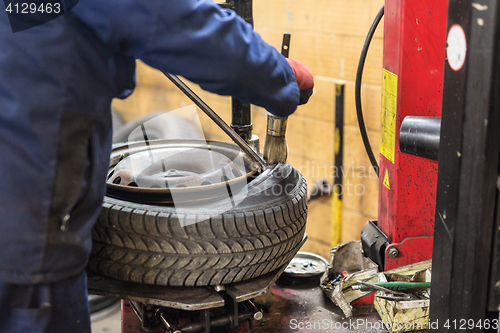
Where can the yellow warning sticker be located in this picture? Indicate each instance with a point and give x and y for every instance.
(389, 103)
(386, 180)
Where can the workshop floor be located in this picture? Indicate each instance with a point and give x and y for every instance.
(109, 324)
(301, 308)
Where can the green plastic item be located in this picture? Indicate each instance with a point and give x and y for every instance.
(396, 286)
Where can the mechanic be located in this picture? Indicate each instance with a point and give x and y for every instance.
(57, 81)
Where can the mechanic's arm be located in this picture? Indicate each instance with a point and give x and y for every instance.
(196, 39)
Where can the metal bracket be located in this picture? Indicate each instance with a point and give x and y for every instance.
(232, 308)
(374, 242)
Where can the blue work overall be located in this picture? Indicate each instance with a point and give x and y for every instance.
(57, 81)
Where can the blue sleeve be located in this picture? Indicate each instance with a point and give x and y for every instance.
(196, 39)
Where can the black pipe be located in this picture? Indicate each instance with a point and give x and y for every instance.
(419, 136)
(357, 90)
(241, 117)
(244, 8)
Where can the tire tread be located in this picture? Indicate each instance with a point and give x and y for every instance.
(147, 246)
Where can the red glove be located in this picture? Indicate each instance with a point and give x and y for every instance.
(304, 78)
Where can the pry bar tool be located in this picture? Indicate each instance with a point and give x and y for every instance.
(218, 120)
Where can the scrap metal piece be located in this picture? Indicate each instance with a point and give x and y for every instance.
(402, 314)
(347, 257)
(306, 264)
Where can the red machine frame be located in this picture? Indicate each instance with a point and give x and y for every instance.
(414, 53)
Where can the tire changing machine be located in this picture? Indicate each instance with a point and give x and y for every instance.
(441, 70)
(440, 101)
(234, 307)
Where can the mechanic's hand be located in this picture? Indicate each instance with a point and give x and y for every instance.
(304, 78)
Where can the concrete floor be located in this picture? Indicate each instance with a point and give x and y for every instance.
(288, 309)
(109, 324)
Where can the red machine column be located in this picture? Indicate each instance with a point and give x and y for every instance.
(414, 50)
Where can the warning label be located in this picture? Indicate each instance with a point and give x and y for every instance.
(389, 103)
(386, 180)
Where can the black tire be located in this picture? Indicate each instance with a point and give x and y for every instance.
(146, 243)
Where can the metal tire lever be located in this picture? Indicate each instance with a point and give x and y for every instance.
(389, 291)
(395, 298)
(261, 164)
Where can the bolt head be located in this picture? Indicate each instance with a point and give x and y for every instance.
(258, 316)
(219, 288)
(393, 252)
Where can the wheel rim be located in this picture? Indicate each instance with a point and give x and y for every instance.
(155, 171)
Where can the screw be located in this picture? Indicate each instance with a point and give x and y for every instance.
(258, 315)
(393, 252)
(497, 287)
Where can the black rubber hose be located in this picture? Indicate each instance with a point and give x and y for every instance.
(359, 76)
